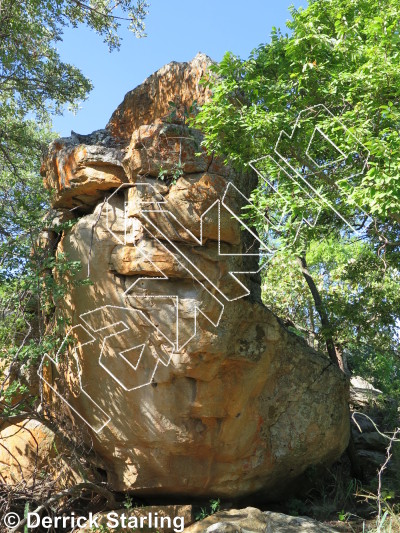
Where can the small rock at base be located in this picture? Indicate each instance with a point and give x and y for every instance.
(224, 527)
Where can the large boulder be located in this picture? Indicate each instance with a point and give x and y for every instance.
(185, 382)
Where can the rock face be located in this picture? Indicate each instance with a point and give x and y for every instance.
(30, 451)
(149, 102)
(184, 381)
(368, 428)
(255, 521)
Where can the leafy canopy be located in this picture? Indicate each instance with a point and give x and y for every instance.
(329, 187)
(34, 82)
(342, 55)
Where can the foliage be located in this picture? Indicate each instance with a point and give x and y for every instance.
(343, 56)
(363, 299)
(339, 69)
(101, 529)
(213, 507)
(128, 503)
(35, 84)
(171, 176)
(179, 114)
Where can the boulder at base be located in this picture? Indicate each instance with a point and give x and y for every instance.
(251, 520)
(186, 383)
(29, 452)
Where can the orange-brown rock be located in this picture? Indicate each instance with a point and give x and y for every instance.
(190, 209)
(30, 452)
(186, 382)
(78, 174)
(149, 258)
(150, 102)
(164, 148)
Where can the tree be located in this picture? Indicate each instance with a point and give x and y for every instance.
(34, 82)
(334, 189)
(34, 85)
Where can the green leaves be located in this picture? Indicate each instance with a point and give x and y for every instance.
(34, 85)
(341, 56)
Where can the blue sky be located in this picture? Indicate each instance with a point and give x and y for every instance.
(177, 30)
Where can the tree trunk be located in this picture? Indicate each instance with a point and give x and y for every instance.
(335, 356)
(319, 306)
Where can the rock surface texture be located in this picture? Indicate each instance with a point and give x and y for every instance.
(253, 520)
(368, 427)
(184, 381)
(30, 450)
